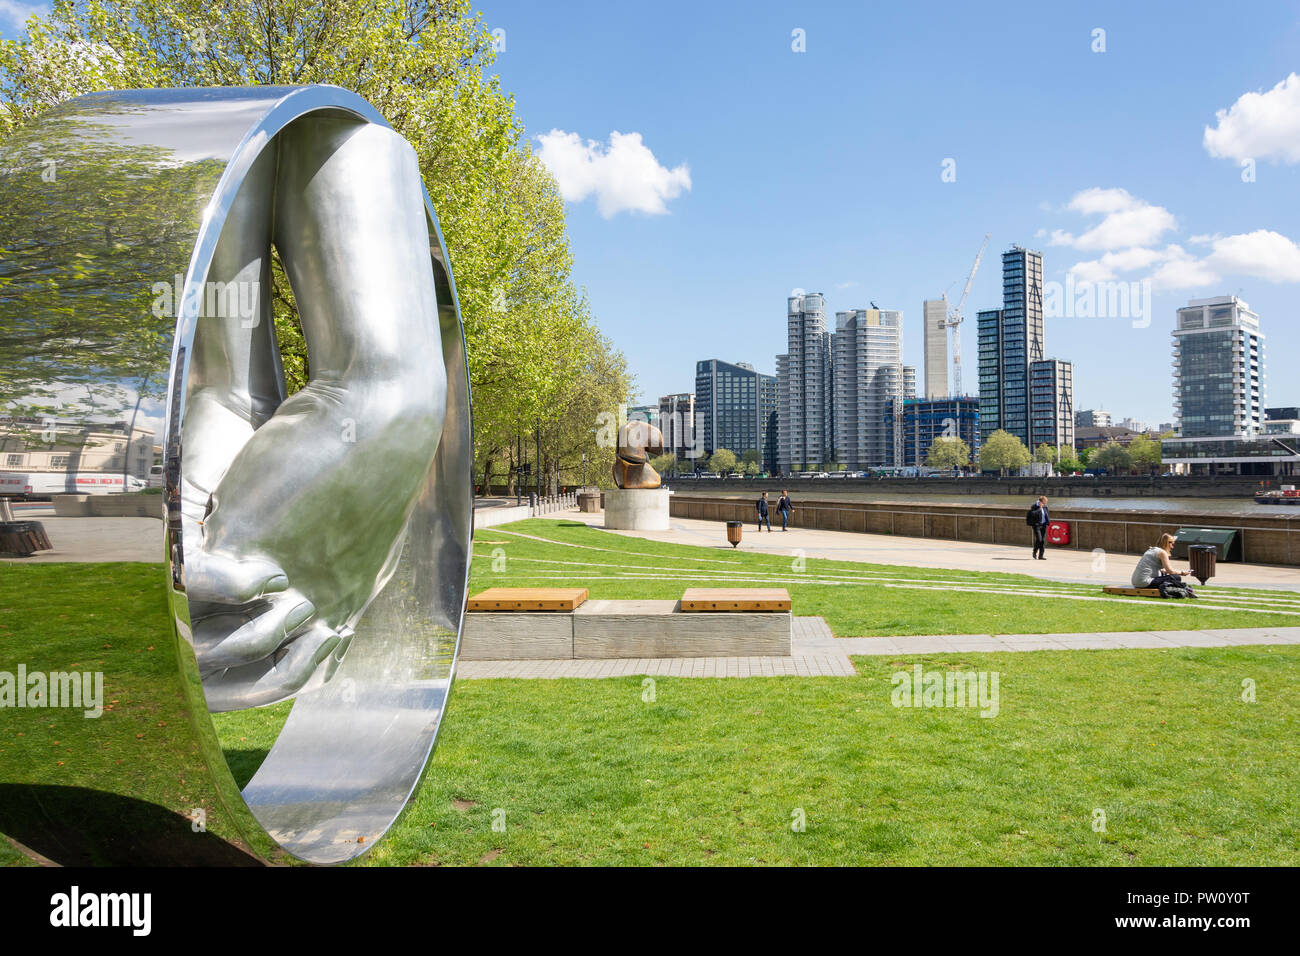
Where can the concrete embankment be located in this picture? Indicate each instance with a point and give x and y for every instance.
(1265, 539)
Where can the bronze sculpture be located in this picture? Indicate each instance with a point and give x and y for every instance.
(637, 441)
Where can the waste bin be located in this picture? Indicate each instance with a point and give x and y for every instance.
(734, 528)
(1058, 532)
(1227, 540)
(1202, 558)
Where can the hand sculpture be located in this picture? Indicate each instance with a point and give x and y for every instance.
(637, 441)
(295, 509)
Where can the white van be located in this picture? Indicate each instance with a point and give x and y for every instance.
(42, 484)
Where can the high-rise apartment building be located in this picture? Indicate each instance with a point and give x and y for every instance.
(733, 405)
(1012, 345)
(934, 314)
(926, 419)
(866, 356)
(1051, 403)
(1219, 387)
(804, 408)
(1218, 369)
(989, 341)
(677, 422)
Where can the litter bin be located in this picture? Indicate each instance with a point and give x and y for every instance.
(1058, 532)
(1202, 558)
(1227, 540)
(734, 528)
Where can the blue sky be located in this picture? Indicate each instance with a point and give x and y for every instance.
(744, 170)
(822, 170)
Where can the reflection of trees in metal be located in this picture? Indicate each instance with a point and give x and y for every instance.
(83, 241)
(353, 490)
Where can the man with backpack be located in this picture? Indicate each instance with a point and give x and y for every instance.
(1037, 518)
(762, 513)
(783, 508)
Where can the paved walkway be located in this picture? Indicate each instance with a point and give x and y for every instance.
(815, 652)
(1062, 564)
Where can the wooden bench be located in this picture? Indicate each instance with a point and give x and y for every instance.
(1133, 592)
(736, 599)
(528, 599)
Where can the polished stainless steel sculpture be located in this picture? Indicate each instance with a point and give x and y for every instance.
(637, 441)
(317, 543)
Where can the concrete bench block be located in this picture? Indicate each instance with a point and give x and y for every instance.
(506, 636)
(607, 629)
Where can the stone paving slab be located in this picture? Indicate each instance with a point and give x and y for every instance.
(816, 653)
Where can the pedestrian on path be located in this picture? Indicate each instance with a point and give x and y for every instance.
(762, 513)
(783, 508)
(1037, 518)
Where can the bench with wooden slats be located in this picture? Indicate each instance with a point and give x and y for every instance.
(1133, 592)
(736, 599)
(528, 599)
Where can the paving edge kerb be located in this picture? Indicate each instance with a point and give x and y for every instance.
(815, 652)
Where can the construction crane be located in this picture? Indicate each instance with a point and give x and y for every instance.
(953, 320)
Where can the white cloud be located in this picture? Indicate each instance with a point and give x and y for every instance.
(15, 12)
(1182, 270)
(1129, 238)
(1262, 253)
(845, 285)
(1128, 221)
(623, 175)
(1126, 260)
(1259, 125)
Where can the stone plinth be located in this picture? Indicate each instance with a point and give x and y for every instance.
(636, 509)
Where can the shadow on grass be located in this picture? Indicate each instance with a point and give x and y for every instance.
(77, 826)
(244, 763)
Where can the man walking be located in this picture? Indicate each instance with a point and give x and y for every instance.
(1038, 519)
(762, 514)
(783, 508)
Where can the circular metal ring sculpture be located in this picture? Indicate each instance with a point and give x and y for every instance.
(316, 544)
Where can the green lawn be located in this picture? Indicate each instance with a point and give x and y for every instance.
(713, 771)
(856, 599)
(716, 771)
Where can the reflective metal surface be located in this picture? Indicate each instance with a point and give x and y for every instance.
(313, 545)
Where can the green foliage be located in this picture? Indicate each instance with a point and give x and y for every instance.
(723, 461)
(1145, 452)
(1045, 454)
(664, 464)
(537, 362)
(1112, 456)
(950, 452)
(752, 456)
(1003, 451)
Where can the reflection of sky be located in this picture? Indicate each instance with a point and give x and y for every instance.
(172, 124)
(101, 403)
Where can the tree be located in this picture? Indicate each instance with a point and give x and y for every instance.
(751, 456)
(1045, 454)
(664, 464)
(426, 66)
(723, 461)
(1002, 451)
(1069, 460)
(1112, 456)
(1085, 456)
(1145, 452)
(949, 452)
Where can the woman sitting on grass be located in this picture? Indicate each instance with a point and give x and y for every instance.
(1153, 568)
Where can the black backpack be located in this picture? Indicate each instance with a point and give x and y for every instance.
(1032, 515)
